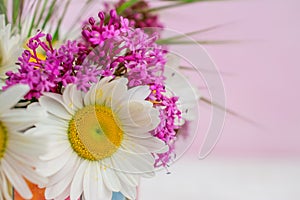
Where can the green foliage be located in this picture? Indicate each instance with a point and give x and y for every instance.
(179, 3)
(126, 5)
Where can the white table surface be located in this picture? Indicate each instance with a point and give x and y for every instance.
(226, 179)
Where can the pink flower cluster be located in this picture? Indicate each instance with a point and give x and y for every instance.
(169, 114)
(116, 49)
(45, 75)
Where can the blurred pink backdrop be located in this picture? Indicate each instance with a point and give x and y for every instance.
(261, 79)
(261, 73)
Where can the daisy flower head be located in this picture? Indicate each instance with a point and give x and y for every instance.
(101, 141)
(10, 49)
(19, 151)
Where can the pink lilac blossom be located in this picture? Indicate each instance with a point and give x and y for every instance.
(114, 45)
(51, 73)
(167, 128)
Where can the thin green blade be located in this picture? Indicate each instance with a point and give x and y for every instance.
(126, 5)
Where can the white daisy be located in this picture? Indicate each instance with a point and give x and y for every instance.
(18, 151)
(10, 49)
(101, 141)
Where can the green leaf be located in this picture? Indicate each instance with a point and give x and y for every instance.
(15, 11)
(126, 5)
(187, 68)
(180, 36)
(2, 7)
(21, 6)
(50, 12)
(56, 33)
(179, 3)
(33, 19)
(231, 112)
(42, 11)
(203, 42)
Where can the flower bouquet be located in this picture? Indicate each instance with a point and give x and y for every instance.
(86, 118)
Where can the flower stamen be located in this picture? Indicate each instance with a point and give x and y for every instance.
(94, 132)
(3, 139)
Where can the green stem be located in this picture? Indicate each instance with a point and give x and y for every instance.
(179, 3)
(204, 42)
(33, 20)
(180, 36)
(166, 7)
(229, 111)
(56, 33)
(186, 68)
(3, 10)
(42, 11)
(20, 15)
(126, 5)
(48, 17)
(15, 11)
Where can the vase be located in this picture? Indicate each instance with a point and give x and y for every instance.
(38, 194)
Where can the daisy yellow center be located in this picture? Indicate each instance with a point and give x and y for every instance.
(94, 132)
(3, 139)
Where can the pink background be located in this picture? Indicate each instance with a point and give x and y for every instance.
(261, 79)
(261, 73)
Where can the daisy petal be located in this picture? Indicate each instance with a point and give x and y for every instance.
(59, 98)
(77, 183)
(133, 163)
(105, 94)
(4, 186)
(139, 114)
(73, 97)
(63, 179)
(139, 93)
(54, 107)
(64, 195)
(28, 172)
(90, 183)
(16, 180)
(90, 96)
(56, 164)
(11, 96)
(131, 180)
(67, 170)
(128, 191)
(152, 144)
(110, 179)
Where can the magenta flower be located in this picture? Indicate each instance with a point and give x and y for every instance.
(47, 74)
